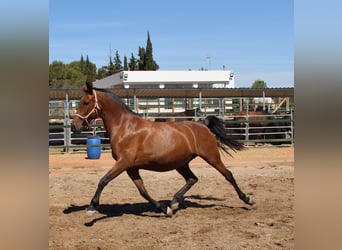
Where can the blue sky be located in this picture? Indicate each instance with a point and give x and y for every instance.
(254, 39)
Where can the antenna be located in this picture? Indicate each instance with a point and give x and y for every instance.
(208, 57)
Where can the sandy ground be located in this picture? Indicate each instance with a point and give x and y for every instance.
(213, 217)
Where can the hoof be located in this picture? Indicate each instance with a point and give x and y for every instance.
(174, 206)
(250, 201)
(169, 212)
(90, 212)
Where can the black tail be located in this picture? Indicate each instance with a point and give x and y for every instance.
(217, 126)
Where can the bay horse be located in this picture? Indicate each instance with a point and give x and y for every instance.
(158, 146)
(255, 118)
(259, 122)
(187, 115)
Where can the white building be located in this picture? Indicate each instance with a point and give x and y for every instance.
(168, 79)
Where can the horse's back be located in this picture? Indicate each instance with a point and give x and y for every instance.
(197, 135)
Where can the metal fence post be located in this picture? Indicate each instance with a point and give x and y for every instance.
(67, 124)
(247, 121)
(292, 132)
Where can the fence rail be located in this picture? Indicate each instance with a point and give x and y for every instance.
(279, 131)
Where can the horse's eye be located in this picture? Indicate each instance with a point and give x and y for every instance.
(86, 103)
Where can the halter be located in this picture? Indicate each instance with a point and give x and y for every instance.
(94, 110)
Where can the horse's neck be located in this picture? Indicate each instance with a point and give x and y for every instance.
(113, 114)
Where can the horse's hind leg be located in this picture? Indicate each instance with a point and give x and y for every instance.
(190, 179)
(217, 163)
(136, 178)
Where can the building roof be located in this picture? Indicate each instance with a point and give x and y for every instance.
(76, 94)
(154, 84)
(166, 77)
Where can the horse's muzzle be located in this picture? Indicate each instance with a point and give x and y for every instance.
(76, 126)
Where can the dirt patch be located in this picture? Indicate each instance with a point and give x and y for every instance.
(213, 216)
(253, 156)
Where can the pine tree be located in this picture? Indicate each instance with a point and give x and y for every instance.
(110, 67)
(133, 65)
(117, 62)
(102, 72)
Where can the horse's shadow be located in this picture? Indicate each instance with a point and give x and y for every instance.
(139, 209)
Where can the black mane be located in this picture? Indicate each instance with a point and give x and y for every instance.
(116, 98)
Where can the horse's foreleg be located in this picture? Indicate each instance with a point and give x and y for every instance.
(190, 179)
(136, 178)
(110, 175)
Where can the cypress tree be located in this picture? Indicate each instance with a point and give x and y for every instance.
(90, 70)
(125, 67)
(82, 65)
(149, 63)
(141, 62)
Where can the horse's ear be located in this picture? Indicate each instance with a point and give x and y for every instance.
(88, 87)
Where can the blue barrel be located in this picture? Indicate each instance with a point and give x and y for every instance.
(93, 147)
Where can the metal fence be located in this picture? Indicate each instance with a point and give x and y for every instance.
(278, 130)
(254, 129)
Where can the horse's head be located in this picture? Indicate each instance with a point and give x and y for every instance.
(198, 112)
(88, 109)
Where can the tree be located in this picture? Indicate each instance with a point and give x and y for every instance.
(56, 70)
(259, 84)
(56, 74)
(141, 62)
(90, 70)
(110, 67)
(149, 63)
(117, 62)
(74, 74)
(71, 76)
(133, 64)
(82, 64)
(102, 72)
(146, 61)
(125, 66)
